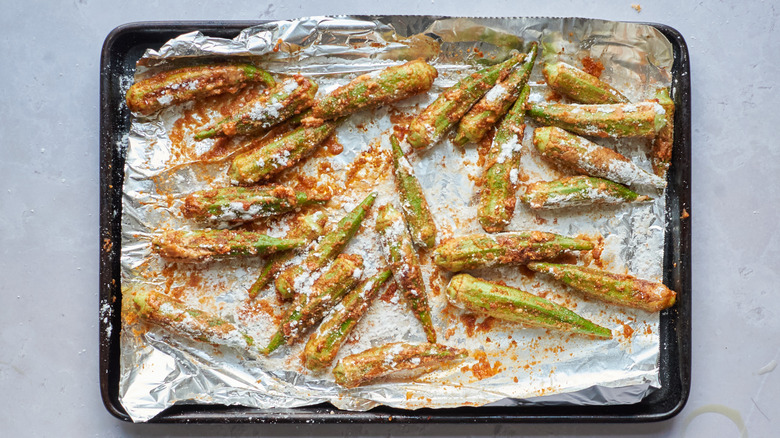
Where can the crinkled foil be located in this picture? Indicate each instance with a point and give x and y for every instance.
(508, 364)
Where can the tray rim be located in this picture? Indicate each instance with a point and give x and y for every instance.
(677, 318)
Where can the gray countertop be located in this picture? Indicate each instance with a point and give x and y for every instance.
(49, 199)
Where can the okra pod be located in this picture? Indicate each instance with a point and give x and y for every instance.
(578, 191)
(288, 98)
(326, 249)
(181, 85)
(308, 228)
(413, 203)
(380, 87)
(408, 360)
(398, 249)
(493, 105)
(483, 250)
(310, 305)
(511, 304)
(662, 145)
(584, 156)
(643, 119)
(272, 158)
(173, 314)
(203, 245)
(498, 196)
(620, 289)
(436, 120)
(579, 85)
(324, 344)
(236, 205)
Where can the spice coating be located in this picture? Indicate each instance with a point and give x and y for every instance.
(643, 119)
(586, 157)
(310, 306)
(171, 313)
(324, 344)
(414, 206)
(308, 228)
(270, 159)
(326, 249)
(662, 145)
(399, 252)
(577, 191)
(235, 205)
(621, 289)
(511, 304)
(377, 88)
(482, 250)
(380, 362)
(489, 110)
(203, 245)
(579, 85)
(440, 116)
(181, 85)
(286, 99)
(498, 196)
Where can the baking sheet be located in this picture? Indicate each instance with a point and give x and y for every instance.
(420, 173)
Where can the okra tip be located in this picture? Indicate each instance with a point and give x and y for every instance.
(276, 341)
(601, 332)
(207, 133)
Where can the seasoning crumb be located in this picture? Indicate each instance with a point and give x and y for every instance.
(637, 7)
(685, 214)
(593, 67)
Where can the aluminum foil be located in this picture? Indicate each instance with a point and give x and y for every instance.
(508, 364)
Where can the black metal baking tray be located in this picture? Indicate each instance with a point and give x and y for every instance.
(127, 43)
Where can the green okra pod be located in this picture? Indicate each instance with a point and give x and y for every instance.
(309, 227)
(583, 156)
(288, 98)
(203, 245)
(440, 116)
(663, 142)
(579, 85)
(483, 250)
(397, 248)
(643, 119)
(380, 87)
(272, 158)
(413, 203)
(173, 314)
(620, 289)
(326, 249)
(501, 178)
(577, 191)
(313, 302)
(181, 85)
(511, 304)
(324, 344)
(236, 205)
(408, 360)
(495, 103)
